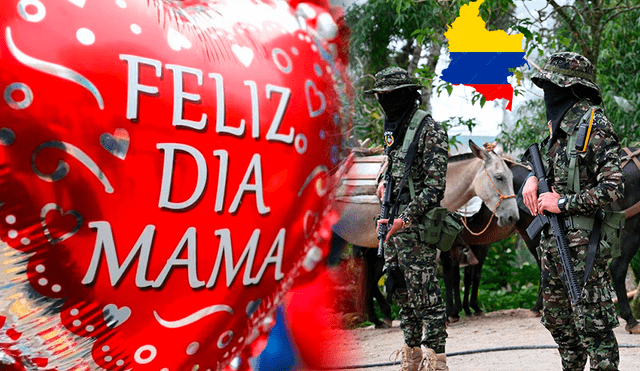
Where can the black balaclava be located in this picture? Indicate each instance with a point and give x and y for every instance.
(396, 105)
(558, 100)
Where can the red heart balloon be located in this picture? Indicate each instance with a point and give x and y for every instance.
(163, 174)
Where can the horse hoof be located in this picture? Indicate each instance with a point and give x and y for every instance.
(478, 314)
(453, 320)
(382, 325)
(635, 329)
(534, 313)
(388, 322)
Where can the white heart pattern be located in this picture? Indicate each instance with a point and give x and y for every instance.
(116, 144)
(177, 40)
(310, 85)
(115, 316)
(52, 206)
(243, 53)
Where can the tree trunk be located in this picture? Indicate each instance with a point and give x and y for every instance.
(415, 58)
(432, 60)
(403, 58)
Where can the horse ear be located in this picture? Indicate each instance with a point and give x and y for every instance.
(479, 152)
(498, 149)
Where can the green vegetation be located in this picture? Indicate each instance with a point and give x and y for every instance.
(510, 277)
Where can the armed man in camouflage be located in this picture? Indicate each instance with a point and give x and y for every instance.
(571, 98)
(407, 259)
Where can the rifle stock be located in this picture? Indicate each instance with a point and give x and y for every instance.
(557, 225)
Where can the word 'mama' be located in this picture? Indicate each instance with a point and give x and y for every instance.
(141, 251)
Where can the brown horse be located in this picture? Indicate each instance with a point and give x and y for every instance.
(482, 173)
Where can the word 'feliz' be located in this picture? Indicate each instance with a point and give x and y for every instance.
(134, 88)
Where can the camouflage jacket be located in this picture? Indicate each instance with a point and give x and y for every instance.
(600, 171)
(428, 171)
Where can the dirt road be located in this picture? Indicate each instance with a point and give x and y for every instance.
(508, 328)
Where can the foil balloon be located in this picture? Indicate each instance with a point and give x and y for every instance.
(164, 176)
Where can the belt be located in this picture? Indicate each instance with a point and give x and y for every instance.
(582, 222)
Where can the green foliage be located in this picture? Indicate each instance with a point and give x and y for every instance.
(379, 33)
(616, 58)
(367, 115)
(510, 277)
(619, 75)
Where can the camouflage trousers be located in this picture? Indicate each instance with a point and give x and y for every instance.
(419, 298)
(585, 328)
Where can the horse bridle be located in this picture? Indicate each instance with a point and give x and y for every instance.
(493, 213)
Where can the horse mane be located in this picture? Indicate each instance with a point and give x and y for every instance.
(461, 157)
(469, 155)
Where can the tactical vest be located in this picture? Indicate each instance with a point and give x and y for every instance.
(613, 222)
(439, 227)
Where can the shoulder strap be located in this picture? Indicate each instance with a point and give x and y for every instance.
(414, 124)
(415, 127)
(573, 177)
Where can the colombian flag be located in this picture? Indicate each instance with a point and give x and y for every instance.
(481, 58)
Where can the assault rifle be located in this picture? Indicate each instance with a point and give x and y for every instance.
(386, 210)
(557, 224)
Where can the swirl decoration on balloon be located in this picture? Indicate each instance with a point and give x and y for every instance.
(165, 176)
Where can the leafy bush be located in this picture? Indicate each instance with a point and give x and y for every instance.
(510, 277)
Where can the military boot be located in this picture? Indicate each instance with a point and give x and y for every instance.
(411, 359)
(435, 362)
(441, 362)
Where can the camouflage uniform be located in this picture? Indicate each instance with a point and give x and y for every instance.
(421, 301)
(585, 328)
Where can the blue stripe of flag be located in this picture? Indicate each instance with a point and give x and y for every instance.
(481, 67)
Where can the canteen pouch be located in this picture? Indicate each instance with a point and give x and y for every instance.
(431, 226)
(611, 232)
(451, 227)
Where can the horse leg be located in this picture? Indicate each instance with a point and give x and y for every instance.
(618, 268)
(370, 284)
(447, 273)
(532, 246)
(337, 247)
(468, 274)
(456, 286)
(377, 264)
(481, 252)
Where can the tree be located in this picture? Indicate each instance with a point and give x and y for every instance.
(607, 33)
(409, 34)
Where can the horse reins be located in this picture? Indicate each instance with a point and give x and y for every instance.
(493, 213)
